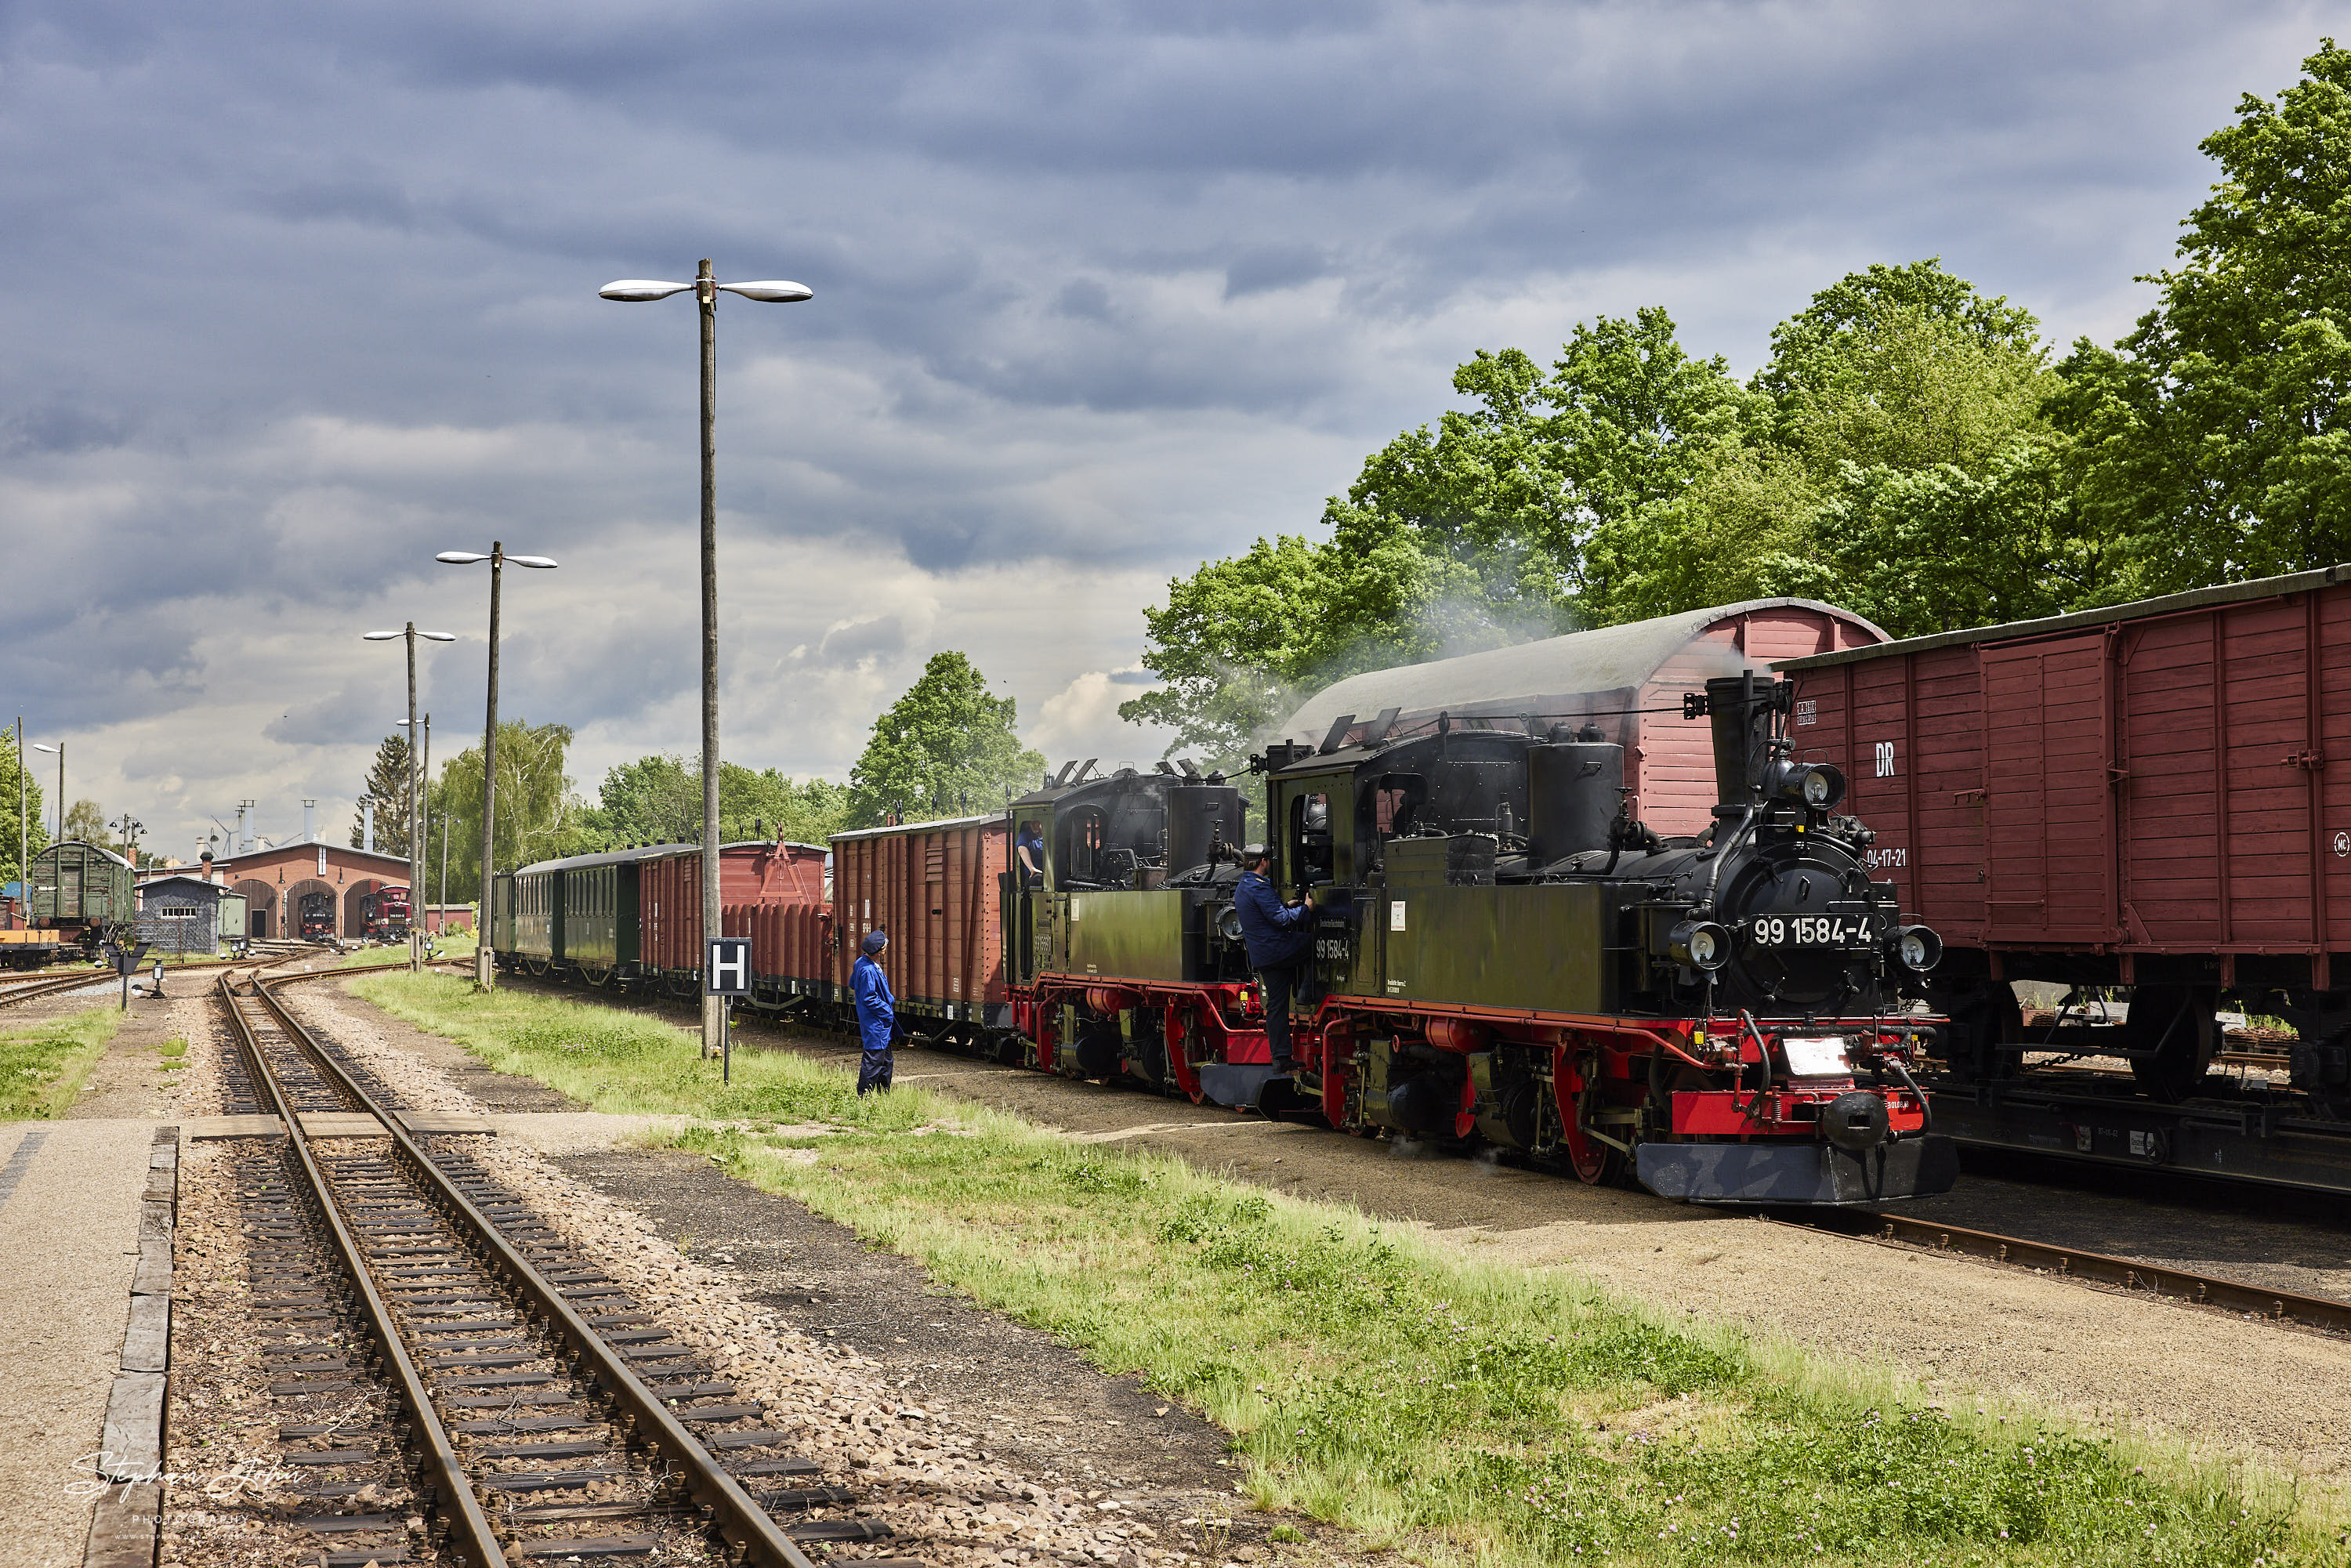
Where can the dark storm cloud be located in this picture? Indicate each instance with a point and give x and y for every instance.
(299, 295)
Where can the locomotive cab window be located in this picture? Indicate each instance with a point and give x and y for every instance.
(1310, 858)
(1083, 859)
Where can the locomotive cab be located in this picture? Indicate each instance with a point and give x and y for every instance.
(1136, 881)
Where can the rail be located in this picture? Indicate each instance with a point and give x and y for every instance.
(470, 1532)
(739, 1520)
(2088, 1268)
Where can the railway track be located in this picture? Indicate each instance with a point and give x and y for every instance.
(25, 990)
(444, 1353)
(55, 986)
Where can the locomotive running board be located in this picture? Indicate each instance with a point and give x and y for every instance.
(1797, 1174)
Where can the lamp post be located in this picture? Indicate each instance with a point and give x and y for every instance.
(484, 971)
(24, 831)
(707, 290)
(415, 865)
(60, 749)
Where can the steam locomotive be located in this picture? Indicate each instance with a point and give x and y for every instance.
(1503, 955)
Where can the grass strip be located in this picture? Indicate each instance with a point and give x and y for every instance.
(42, 1065)
(1464, 1411)
(634, 1064)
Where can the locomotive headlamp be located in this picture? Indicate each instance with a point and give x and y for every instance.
(1228, 923)
(1701, 944)
(1919, 947)
(1817, 784)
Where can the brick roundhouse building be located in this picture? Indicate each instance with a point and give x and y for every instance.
(276, 882)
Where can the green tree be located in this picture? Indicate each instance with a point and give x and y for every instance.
(1908, 471)
(539, 815)
(658, 800)
(944, 748)
(85, 820)
(2215, 440)
(387, 781)
(13, 851)
(1474, 535)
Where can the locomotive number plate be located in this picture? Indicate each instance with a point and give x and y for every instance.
(1808, 930)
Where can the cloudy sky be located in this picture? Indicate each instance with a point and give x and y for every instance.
(298, 294)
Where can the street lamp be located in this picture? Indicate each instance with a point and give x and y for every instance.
(415, 866)
(707, 290)
(60, 750)
(484, 971)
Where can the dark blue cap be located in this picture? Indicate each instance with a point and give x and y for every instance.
(875, 940)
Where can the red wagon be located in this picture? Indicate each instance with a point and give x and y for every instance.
(2154, 796)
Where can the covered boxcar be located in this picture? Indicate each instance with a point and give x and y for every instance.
(84, 889)
(937, 888)
(635, 914)
(2137, 797)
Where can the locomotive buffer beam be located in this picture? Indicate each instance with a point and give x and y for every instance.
(1816, 1174)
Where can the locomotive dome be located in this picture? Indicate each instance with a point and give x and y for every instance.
(1604, 675)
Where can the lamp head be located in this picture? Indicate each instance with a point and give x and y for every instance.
(771, 291)
(52, 749)
(544, 563)
(460, 557)
(640, 290)
(436, 636)
(380, 636)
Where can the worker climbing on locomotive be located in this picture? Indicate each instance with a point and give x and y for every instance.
(1280, 937)
(877, 1014)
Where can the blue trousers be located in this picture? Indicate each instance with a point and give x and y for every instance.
(1278, 985)
(874, 1070)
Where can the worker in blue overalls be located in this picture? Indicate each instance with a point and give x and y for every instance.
(877, 1014)
(1280, 937)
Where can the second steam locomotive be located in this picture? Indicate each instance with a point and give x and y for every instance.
(1502, 956)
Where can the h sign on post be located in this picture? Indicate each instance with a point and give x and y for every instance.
(726, 967)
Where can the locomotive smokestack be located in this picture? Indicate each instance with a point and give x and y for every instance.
(1740, 709)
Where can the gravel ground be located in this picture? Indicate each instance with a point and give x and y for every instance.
(1016, 1451)
(130, 1079)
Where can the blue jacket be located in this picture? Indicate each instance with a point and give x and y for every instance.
(877, 1010)
(1277, 936)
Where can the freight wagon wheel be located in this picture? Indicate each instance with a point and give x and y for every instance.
(2174, 1024)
